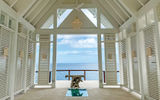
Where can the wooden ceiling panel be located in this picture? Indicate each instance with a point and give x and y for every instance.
(40, 15)
(37, 10)
(76, 1)
(21, 5)
(111, 11)
(144, 1)
(34, 10)
(118, 9)
(133, 5)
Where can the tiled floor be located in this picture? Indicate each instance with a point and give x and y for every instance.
(60, 92)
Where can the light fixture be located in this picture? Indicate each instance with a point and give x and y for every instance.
(76, 24)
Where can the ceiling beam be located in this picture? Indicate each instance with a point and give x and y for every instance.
(124, 5)
(115, 11)
(28, 8)
(39, 10)
(33, 8)
(15, 1)
(26, 23)
(42, 20)
(42, 13)
(12, 13)
(140, 3)
(113, 14)
(107, 15)
(76, 31)
(115, 1)
(72, 6)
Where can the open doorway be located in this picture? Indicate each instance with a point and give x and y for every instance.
(77, 55)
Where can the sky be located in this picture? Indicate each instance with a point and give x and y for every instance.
(77, 49)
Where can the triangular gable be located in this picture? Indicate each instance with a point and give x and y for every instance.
(105, 23)
(86, 22)
(91, 14)
(48, 24)
(62, 15)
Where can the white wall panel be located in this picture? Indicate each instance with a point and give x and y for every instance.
(136, 83)
(125, 63)
(149, 34)
(4, 68)
(20, 68)
(110, 60)
(44, 60)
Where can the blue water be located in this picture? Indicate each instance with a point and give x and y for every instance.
(77, 93)
(90, 75)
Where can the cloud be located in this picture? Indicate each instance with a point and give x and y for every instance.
(94, 52)
(79, 41)
(75, 36)
(85, 43)
(68, 52)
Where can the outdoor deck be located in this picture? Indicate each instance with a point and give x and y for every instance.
(59, 93)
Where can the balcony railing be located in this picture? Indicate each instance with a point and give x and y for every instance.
(69, 73)
(84, 72)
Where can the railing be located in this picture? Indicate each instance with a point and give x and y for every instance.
(69, 73)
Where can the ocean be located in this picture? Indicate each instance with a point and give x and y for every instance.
(90, 75)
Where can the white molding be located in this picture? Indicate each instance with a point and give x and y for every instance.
(75, 31)
(100, 60)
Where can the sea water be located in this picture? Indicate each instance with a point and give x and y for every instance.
(90, 75)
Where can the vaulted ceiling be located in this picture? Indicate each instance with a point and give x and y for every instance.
(37, 12)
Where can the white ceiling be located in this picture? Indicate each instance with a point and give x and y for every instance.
(38, 11)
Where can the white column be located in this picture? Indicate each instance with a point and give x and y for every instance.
(157, 45)
(142, 53)
(26, 63)
(140, 67)
(54, 51)
(54, 60)
(12, 65)
(121, 65)
(105, 53)
(100, 61)
(130, 68)
(33, 64)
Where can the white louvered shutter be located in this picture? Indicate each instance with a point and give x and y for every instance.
(20, 68)
(4, 44)
(44, 60)
(110, 60)
(135, 68)
(125, 62)
(149, 34)
(29, 64)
